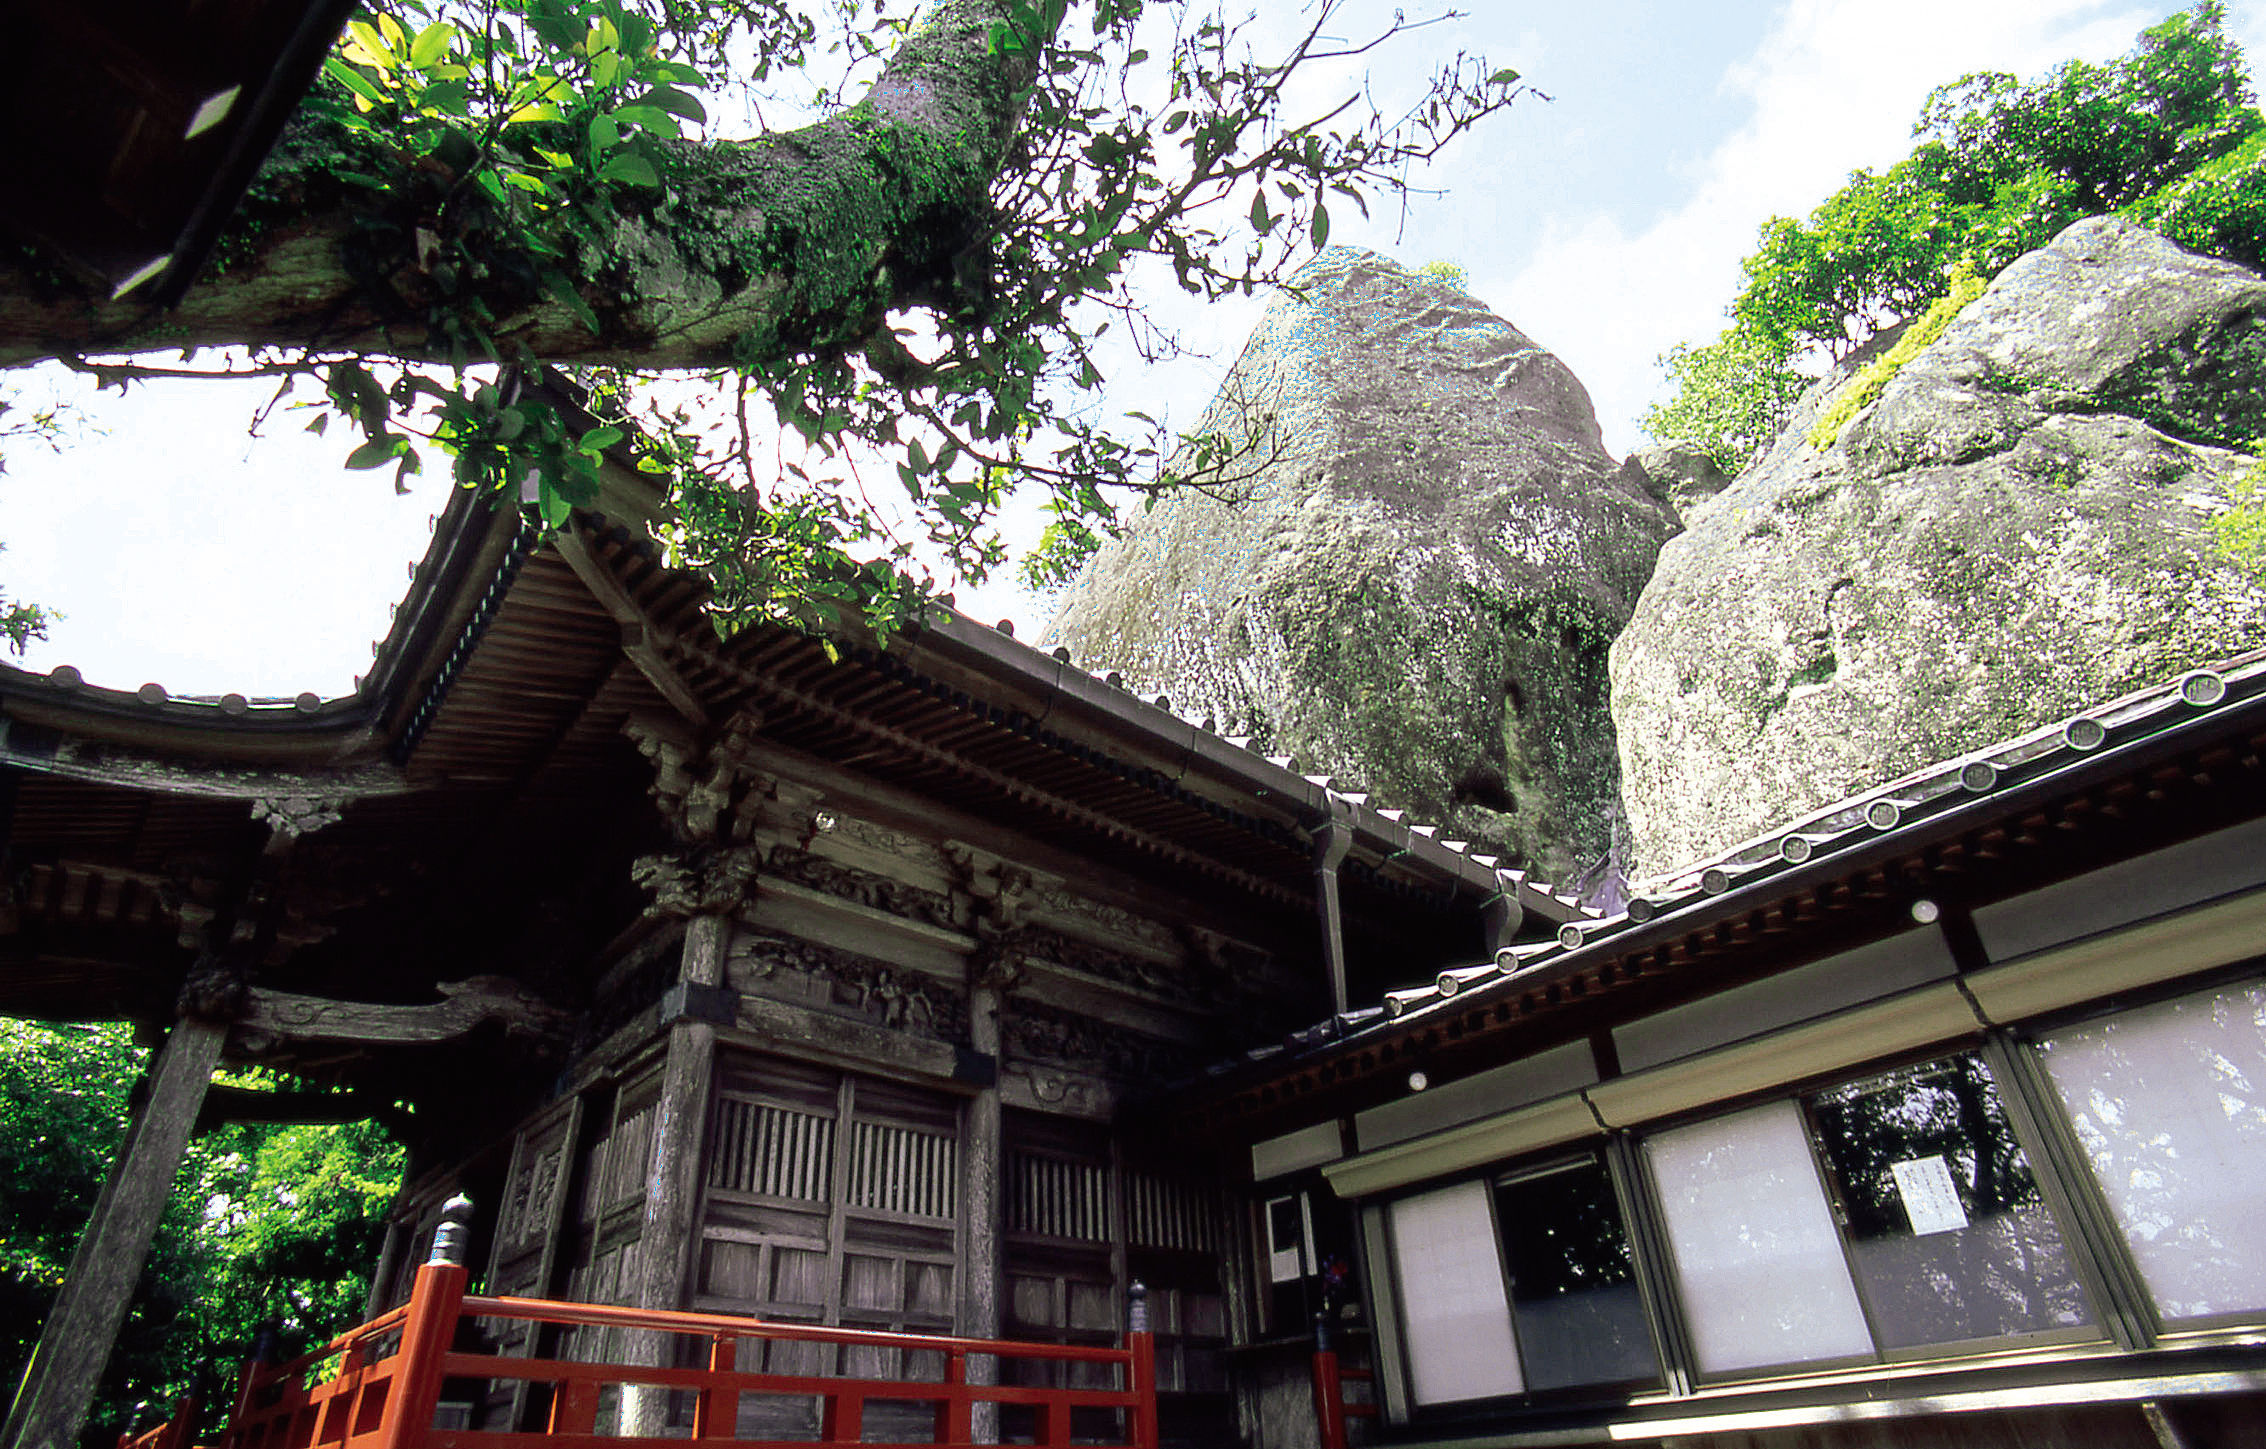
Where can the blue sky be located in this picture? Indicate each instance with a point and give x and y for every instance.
(1606, 223)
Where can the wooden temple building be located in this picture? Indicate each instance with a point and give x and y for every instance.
(726, 976)
(944, 989)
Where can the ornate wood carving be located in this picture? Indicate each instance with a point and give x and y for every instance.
(1035, 1033)
(296, 815)
(999, 893)
(808, 974)
(878, 892)
(699, 881)
(271, 1018)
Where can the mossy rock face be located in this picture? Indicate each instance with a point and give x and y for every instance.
(2018, 527)
(1415, 589)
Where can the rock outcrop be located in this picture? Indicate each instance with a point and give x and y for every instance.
(1413, 583)
(2018, 526)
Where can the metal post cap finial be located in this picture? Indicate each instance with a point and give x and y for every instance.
(1137, 1307)
(451, 1237)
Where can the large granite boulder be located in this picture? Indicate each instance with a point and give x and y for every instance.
(2017, 527)
(1413, 584)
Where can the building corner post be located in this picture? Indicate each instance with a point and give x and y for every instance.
(1333, 838)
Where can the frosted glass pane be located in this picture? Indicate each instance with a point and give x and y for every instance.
(2169, 1103)
(1755, 1250)
(1459, 1323)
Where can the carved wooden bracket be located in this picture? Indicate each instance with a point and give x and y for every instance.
(698, 882)
(275, 1017)
(295, 815)
(704, 792)
(1001, 893)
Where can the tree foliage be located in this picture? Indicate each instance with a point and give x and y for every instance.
(2169, 134)
(21, 623)
(921, 277)
(266, 1225)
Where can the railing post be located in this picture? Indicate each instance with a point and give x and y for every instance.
(248, 1382)
(1141, 1370)
(182, 1432)
(427, 1332)
(716, 1413)
(955, 1414)
(1329, 1389)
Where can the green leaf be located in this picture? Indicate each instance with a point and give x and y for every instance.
(379, 49)
(1503, 77)
(377, 452)
(431, 44)
(562, 287)
(652, 118)
(598, 439)
(629, 170)
(347, 76)
(1262, 221)
(675, 102)
(450, 97)
(553, 508)
(605, 134)
(1321, 226)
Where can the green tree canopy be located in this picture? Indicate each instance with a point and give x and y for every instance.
(267, 1224)
(2169, 134)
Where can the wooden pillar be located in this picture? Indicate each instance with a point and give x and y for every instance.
(979, 1258)
(669, 1231)
(74, 1345)
(1332, 840)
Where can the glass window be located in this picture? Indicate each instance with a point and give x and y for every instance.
(1947, 1233)
(2169, 1104)
(1753, 1242)
(1451, 1283)
(1578, 1312)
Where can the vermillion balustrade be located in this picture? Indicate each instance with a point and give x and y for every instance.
(1331, 1407)
(353, 1393)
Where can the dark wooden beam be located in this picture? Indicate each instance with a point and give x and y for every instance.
(280, 1016)
(643, 639)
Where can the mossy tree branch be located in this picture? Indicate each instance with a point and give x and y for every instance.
(746, 246)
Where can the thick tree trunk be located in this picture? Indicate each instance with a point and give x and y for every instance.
(751, 250)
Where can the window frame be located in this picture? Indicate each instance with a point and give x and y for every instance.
(2140, 1317)
(2125, 1318)
(1987, 1345)
(1392, 1326)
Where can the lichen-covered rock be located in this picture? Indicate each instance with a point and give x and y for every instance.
(2017, 527)
(1678, 474)
(1414, 587)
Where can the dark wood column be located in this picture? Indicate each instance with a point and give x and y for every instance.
(74, 1345)
(669, 1231)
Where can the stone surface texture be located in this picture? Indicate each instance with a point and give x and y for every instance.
(2017, 527)
(1411, 584)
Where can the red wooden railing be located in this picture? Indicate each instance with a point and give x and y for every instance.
(1330, 1407)
(372, 1399)
(178, 1432)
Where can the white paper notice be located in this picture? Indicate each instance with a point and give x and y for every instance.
(1930, 1200)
